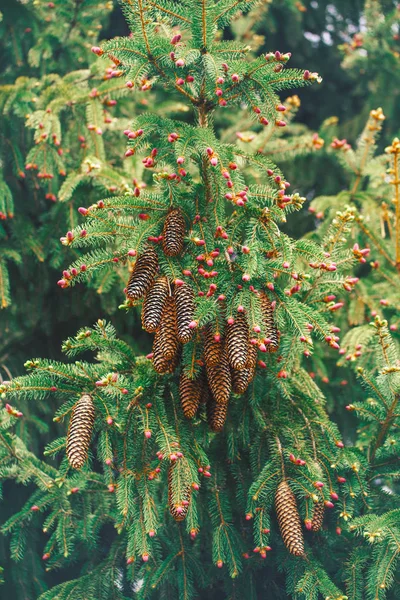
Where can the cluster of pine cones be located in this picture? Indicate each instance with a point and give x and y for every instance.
(78, 440)
(229, 364)
(169, 311)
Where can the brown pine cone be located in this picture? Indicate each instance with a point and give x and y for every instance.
(168, 330)
(216, 415)
(269, 323)
(143, 274)
(80, 431)
(179, 489)
(212, 349)
(173, 233)
(237, 342)
(184, 302)
(160, 363)
(219, 380)
(190, 393)
(318, 516)
(242, 379)
(289, 519)
(154, 303)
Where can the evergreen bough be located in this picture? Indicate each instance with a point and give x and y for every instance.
(183, 496)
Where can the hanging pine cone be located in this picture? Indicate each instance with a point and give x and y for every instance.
(161, 363)
(242, 379)
(143, 274)
(184, 302)
(237, 342)
(269, 323)
(216, 415)
(154, 303)
(212, 349)
(289, 519)
(168, 330)
(179, 490)
(219, 380)
(80, 431)
(173, 233)
(318, 516)
(190, 393)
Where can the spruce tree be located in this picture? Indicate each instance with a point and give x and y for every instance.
(209, 467)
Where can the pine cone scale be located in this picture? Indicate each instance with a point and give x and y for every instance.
(173, 233)
(237, 342)
(190, 393)
(143, 274)
(153, 304)
(185, 307)
(318, 516)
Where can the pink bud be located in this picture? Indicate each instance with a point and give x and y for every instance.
(334, 496)
(177, 38)
(109, 421)
(336, 306)
(328, 504)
